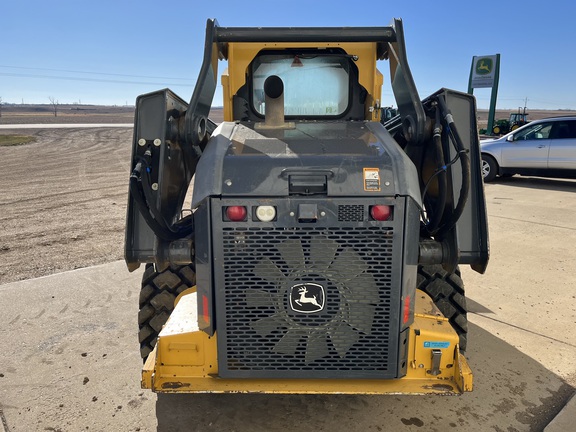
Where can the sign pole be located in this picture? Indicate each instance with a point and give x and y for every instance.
(494, 96)
(470, 88)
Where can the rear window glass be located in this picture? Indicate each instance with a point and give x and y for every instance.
(564, 130)
(313, 85)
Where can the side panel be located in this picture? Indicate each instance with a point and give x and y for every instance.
(171, 169)
(204, 262)
(472, 227)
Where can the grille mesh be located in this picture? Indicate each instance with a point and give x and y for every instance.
(265, 271)
(350, 213)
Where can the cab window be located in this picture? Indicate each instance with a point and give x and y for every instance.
(314, 85)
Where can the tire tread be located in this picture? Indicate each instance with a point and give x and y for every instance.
(157, 295)
(447, 292)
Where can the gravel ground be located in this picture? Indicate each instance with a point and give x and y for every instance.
(44, 114)
(63, 200)
(64, 196)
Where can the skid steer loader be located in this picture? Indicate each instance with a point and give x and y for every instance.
(321, 249)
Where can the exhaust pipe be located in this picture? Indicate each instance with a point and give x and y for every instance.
(274, 111)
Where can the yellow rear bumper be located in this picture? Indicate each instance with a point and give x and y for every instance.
(185, 361)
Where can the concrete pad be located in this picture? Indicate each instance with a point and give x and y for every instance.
(513, 392)
(69, 357)
(70, 362)
(565, 420)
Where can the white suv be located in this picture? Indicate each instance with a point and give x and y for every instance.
(544, 147)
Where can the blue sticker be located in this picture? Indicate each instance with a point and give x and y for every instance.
(436, 344)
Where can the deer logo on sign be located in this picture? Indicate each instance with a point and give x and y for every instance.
(484, 66)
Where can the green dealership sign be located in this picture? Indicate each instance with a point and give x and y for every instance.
(485, 73)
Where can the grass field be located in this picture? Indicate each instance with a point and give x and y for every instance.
(14, 140)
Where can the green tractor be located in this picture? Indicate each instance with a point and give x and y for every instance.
(516, 120)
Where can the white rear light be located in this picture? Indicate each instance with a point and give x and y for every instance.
(265, 213)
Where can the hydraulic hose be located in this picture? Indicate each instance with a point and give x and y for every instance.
(462, 154)
(141, 191)
(440, 174)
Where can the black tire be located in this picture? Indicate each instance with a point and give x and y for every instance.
(489, 168)
(157, 295)
(447, 292)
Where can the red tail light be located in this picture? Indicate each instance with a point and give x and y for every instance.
(236, 213)
(205, 310)
(381, 212)
(406, 315)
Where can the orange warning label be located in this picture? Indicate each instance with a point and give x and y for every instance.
(371, 179)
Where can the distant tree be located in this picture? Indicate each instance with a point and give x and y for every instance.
(0, 106)
(54, 104)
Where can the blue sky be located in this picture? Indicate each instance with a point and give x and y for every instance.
(109, 52)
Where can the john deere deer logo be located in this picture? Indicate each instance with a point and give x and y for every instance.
(307, 298)
(484, 66)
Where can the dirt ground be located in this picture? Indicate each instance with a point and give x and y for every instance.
(44, 114)
(64, 196)
(63, 201)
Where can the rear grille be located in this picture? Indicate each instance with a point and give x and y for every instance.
(308, 302)
(350, 213)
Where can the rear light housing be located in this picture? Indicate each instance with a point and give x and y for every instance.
(406, 310)
(265, 213)
(235, 213)
(381, 212)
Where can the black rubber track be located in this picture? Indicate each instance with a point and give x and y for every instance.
(447, 292)
(159, 290)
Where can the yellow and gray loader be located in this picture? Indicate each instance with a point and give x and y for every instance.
(303, 245)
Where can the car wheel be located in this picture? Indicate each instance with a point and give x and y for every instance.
(489, 168)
